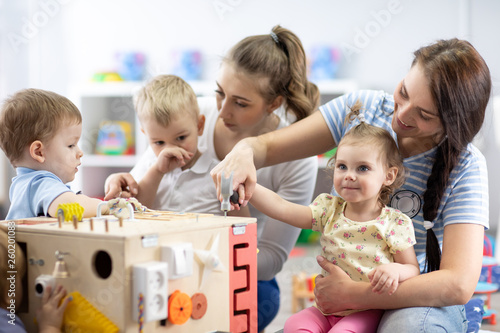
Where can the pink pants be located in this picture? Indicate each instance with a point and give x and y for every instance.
(311, 320)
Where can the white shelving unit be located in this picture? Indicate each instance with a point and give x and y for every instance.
(113, 101)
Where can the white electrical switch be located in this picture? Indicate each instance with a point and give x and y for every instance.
(179, 258)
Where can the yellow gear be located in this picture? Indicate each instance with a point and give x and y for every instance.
(68, 210)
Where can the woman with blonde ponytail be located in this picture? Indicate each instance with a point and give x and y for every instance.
(278, 62)
(433, 114)
(262, 86)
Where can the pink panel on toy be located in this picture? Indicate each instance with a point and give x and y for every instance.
(243, 279)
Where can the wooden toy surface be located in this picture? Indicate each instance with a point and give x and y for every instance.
(168, 215)
(99, 255)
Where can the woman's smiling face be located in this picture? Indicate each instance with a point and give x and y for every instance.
(415, 113)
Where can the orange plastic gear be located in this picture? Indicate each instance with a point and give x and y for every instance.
(180, 308)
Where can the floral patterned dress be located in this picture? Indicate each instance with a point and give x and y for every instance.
(359, 247)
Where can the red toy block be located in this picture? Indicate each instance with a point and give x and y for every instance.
(243, 278)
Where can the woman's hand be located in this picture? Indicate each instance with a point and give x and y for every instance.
(120, 185)
(239, 162)
(331, 291)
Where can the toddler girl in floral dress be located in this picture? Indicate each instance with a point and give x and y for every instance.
(369, 240)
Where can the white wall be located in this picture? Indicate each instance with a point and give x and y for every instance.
(72, 39)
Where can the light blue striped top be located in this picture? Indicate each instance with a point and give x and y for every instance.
(466, 196)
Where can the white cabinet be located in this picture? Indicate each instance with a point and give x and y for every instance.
(113, 101)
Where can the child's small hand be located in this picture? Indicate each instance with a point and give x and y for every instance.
(171, 158)
(384, 279)
(120, 185)
(49, 316)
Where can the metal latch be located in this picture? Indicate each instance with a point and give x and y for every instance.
(239, 229)
(149, 240)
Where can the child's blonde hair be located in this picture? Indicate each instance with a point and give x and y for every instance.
(165, 97)
(30, 115)
(10, 254)
(365, 134)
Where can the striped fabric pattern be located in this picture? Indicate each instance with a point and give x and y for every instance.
(466, 195)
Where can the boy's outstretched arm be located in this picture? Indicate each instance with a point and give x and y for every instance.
(89, 204)
(271, 204)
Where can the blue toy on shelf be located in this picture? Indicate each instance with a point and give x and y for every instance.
(324, 62)
(115, 138)
(131, 65)
(488, 287)
(188, 64)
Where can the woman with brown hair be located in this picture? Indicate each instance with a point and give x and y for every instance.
(434, 114)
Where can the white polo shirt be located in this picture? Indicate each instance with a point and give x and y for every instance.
(191, 190)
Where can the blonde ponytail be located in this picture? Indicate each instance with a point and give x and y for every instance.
(279, 57)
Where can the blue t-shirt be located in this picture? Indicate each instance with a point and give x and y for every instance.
(466, 196)
(32, 192)
(9, 324)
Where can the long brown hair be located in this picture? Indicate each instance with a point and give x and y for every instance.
(279, 57)
(460, 84)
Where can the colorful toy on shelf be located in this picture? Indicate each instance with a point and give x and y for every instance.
(488, 287)
(106, 77)
(323, 63)
(131, 65)
(491, 272)
(302, 290)
(115, 138)
(308, 236)
(187, 64)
